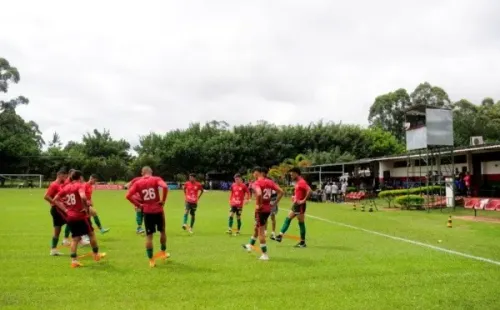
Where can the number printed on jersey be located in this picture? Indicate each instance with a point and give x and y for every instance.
(70, 200)
(266, 194)
(148, 194)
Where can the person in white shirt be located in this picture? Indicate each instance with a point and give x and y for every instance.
(335, 192)
(344, 190)
(328, 192)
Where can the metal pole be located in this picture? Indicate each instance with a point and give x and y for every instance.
(320, 183)
(453, 174)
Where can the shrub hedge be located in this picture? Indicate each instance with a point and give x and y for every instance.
(409, 201)
(412, 191)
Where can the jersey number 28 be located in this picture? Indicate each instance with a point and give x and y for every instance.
(70, 200)
(148, 194)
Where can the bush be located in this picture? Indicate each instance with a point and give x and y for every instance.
(409, 201)
(351, 189)
(412, 191)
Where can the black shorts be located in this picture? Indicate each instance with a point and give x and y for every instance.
(191, 207)
(261, 218)
(80, 228)
(154, 222)
(58, 218)
(236, 210)
(299, 208)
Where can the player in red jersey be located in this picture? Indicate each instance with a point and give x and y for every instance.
(89, 187)
(139, 216)
(192, 193)
(263, 188)
(152, 206)
(58, 217)
(239, 196)
(301, 193)
(85, 239)
(73, 202)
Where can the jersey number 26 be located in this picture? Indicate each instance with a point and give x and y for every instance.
(148, 194)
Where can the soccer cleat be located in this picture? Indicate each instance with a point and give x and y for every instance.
(229, 231)
(237, 233)
(163, 255)
(76, 264)
(264, 257)
(55, 252)
(98, 256)
(278, 238)
(301, 244)
(273, 236)
(247, 247)
(139, 231)
(104, 230)
(152, 263)
(66, 242)
(191, 231)
(184, 226)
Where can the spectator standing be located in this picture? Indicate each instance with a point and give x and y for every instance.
(328, 191)
(343, 190)
(335, 192)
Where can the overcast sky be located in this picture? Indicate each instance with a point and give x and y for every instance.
(140, 66)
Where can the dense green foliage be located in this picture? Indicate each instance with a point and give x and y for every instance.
(414, 191)
(217, 147)
(410, 201)
(387, 112)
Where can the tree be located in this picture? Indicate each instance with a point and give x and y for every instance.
(387, 112)
(55, 141)
(20, 141)
(488, 102)
(426, 94)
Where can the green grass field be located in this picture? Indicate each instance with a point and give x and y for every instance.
(342, 268)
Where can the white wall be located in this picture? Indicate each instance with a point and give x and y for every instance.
(415, 171)
(490, 167)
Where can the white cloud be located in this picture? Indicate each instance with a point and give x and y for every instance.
(140, 66)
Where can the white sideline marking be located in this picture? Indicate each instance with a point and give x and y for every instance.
(478, 258)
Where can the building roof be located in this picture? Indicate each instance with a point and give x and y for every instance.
(413, 154)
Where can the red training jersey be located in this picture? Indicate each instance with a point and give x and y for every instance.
(467, 180)
(238, 193)
(301, 189)
(266, 186)
(70, 196)
(148, 190)
(88, 191)
(54, 188)
(67, 181)
(191, 190)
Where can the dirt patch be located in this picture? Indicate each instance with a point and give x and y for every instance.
(478, 219)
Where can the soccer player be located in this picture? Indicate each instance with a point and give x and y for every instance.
(274, 211)
(239, 196)
(139, 216)
(73, 202)
(88, 192)
(192, 193)
(58, 217)
(152, 206)
(263, 188)
(85, 239)
(301, 193)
